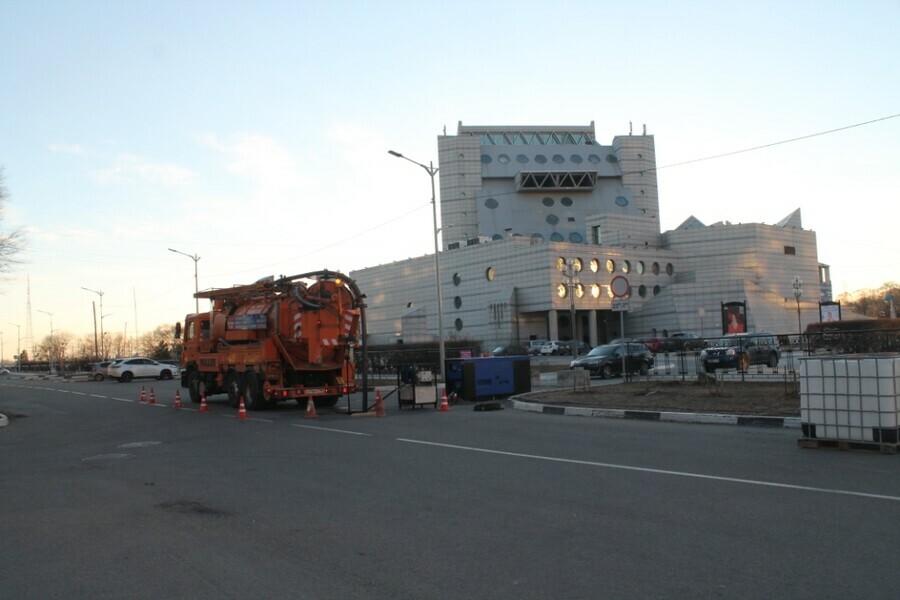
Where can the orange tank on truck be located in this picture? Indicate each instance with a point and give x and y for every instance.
(291, 338)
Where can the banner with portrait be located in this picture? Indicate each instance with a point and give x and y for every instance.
(734, 317)
(829, 312)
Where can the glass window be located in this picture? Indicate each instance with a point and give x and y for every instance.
(491, 203)
(640, 267)
(612, 158)
(559, 159)
(537, 238)
(503, 159)
(670, 269)
(577, 159)
(626, 266)
(577, 264)
(595, 265)
(490, 273)
(456, 279)
(610, 265)
(540, 159)
(486, 159)
(576, 238)
(579, 290)
(562, 290)
(458, 324)
(557, 237)
(656, 290)
(521, 159)
(595, 290)
(566, 201)
(457, 302)
(594, 158)
(642, 291)
(547, 201)
(552, 219)
(622, 201)
(560, 264)
(655, 268)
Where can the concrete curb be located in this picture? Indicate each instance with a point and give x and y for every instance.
(646, 415)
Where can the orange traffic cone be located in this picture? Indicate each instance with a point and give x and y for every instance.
(379, 404)
(242, 410)
(143, 395)
(178, 403)
(445, 407)
(152, 398)
(310, 409)
(203, 406)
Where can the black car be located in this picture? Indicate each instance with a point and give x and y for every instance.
(740, 350)
(510, 350)
(606, 360)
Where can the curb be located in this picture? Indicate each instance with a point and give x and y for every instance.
(647, 415)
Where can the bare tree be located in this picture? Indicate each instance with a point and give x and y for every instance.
(11, 243)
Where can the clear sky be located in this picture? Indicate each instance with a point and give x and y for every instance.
(255, 134)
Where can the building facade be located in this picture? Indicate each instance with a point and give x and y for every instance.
(541, 224)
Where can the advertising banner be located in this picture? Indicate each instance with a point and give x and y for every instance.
(734, 317)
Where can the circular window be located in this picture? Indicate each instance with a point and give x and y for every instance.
(626, 266)
(670, 269)
(656, 290)
(610, 266)
(595, 265)
(612, 158)
(566, 201)
(642, 291)
(640, 267)
(594, 159)
(552, 219)
(536, 238)
(457, 324)
(547, 201)
(577, 264)
(456, 279)
(561, 290)
(489, 273)
(557, 237)
(457, 302)
(486, 159)
(595, 290)
(503, 159)
(522, 159)
(560, 264)
(622, 201)
(577, 159)
(579, 290)
(491, 203)
(559, 159)
(540, 159)
(655, 268)
(497, 237)
(576, 238)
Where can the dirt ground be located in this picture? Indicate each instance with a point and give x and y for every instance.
(733, 398)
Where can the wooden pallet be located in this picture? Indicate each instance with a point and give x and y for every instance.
(881, 447)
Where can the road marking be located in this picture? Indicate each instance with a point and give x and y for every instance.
(589, 463)
(99, 396)
(71, 392)
(121, 399)
(331, 430)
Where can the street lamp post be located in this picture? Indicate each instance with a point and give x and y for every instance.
(798, 291)
(99, 293)
(104, 340)
(573, 286)
(196, 259)
(18, 346)
(432, 171)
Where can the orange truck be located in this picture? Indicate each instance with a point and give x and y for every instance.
(291, 338)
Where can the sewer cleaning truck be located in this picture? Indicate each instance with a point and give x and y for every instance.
(291, 338)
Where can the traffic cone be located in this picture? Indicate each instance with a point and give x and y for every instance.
(203, 406)
(379, 404)
(310, 409)
(445, 407)
(143, 395)
(178, 403)
(152, 398)
(242, 410)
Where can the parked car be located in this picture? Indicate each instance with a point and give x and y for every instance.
(654, 344)
(550, 348)
(606, 360)
(568, 347)
(98, 370)
(685, 340)
(4, 372)
(510, 350)
(534, 346)
(139, 367)
(740, 350)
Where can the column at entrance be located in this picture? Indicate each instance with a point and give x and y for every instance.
(592, 328)
(554, 324)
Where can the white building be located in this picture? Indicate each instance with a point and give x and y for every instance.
(523, 208)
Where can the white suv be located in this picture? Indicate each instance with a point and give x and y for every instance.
(550, 348)
(132, 368)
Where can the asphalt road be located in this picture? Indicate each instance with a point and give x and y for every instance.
(105, 497)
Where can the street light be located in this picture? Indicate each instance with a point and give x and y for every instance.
(196, 259)
(18, 346)
(432, 171)
(104, 346)
(99, 293)
(798, 291)
(50, 353)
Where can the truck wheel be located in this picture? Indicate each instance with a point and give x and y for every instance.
(195, 387)
(253, 398)
(233, 389)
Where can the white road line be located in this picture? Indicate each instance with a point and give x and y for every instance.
(121, 399)
(99, 396)
(331, 430)
(659, 471)
(71, 392)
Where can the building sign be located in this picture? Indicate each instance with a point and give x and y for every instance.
(829, 311)
(734, 317)
(621, 305)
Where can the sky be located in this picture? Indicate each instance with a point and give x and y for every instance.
(256, 135)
